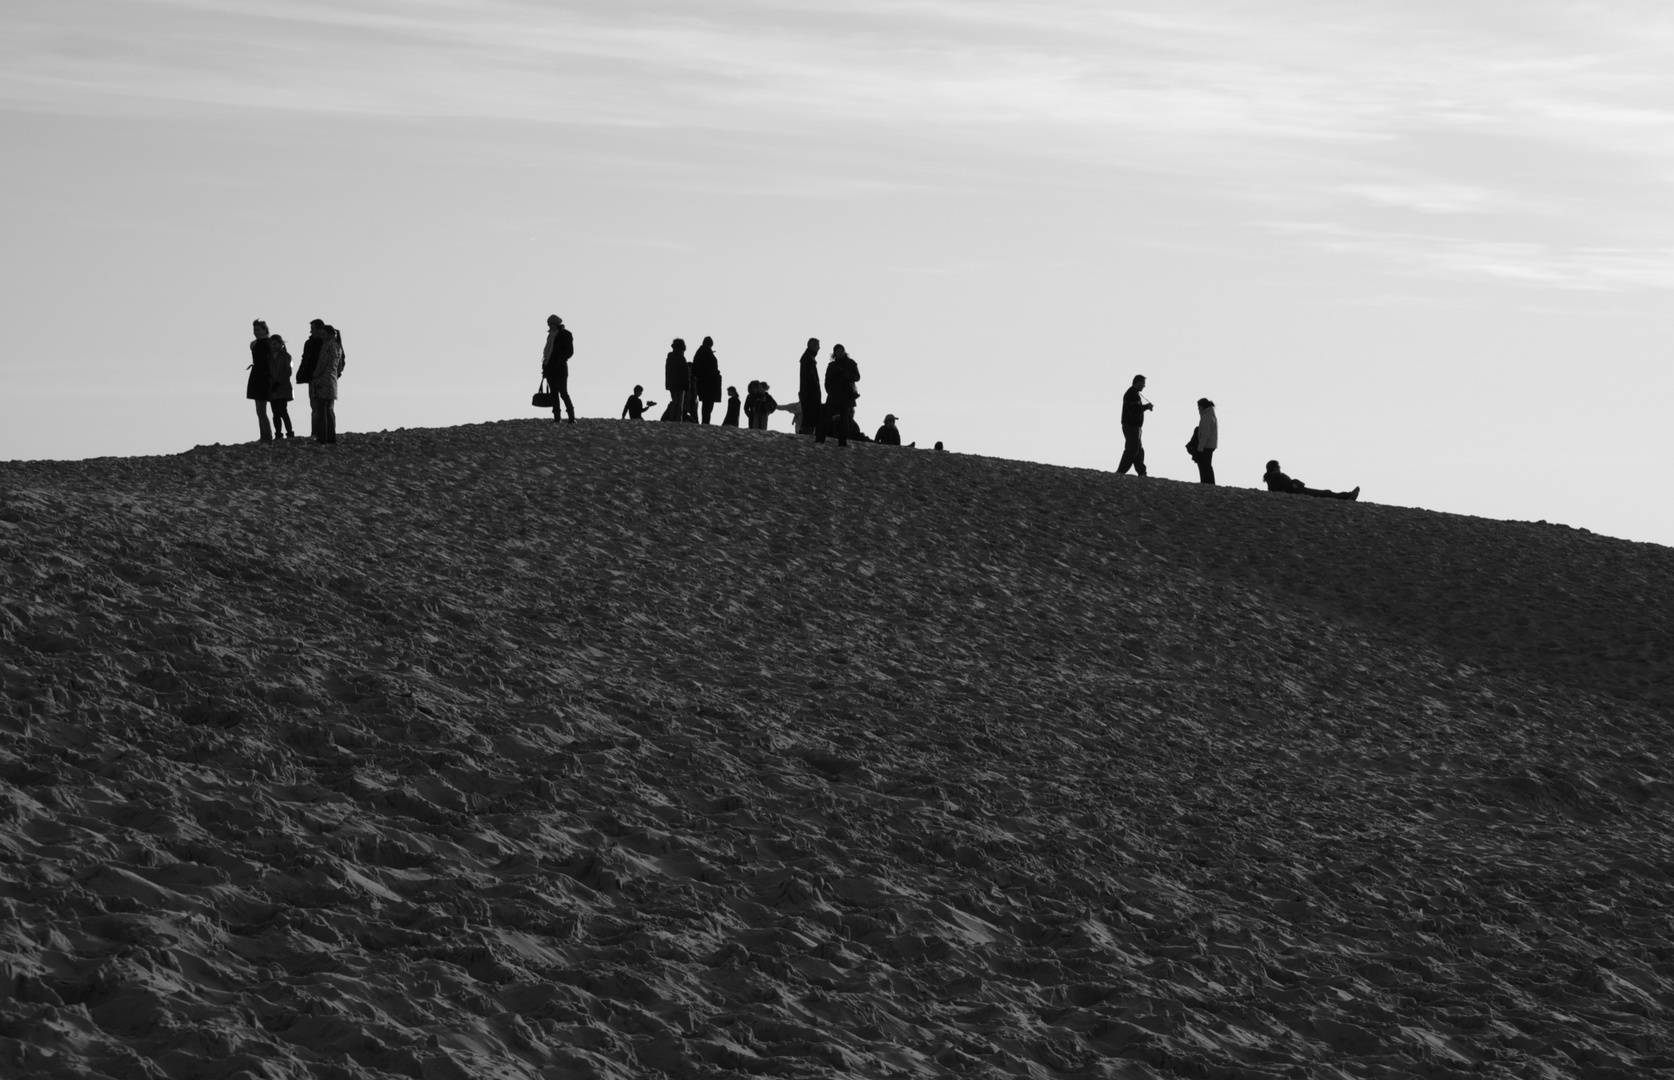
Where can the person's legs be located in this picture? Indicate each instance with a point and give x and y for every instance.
(844, 416)
(1133, 454)
(560, 384)
(708, 410)
(1206, 466)
(328, 411)
(282, 420)
(316, 426)
(261, 421)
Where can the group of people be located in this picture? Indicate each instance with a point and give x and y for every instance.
(269, 383)
(1206, 438)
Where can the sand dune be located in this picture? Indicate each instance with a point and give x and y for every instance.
(629, 750)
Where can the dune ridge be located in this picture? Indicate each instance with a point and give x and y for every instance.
(624, 750)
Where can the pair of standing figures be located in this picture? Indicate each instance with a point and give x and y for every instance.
(1204, 441)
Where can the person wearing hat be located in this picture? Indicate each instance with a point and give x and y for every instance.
(555, 365)
(889, 434)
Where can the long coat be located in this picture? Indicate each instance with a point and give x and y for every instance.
(674, 372)
(706, 374)
(280, 369)
(256, 387)
(841, 375)
(323, 385)
(808, 388)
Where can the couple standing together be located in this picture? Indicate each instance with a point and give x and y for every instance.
(270, 380)
(1202, 446)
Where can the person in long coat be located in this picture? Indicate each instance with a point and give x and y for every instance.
(808, 389)
(279, 388)
(675, 380)
(258, 386)
(706, 377)
(731, 419)
(842, 375)
(322, 385)
(1208, 437)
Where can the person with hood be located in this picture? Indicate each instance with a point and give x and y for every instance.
(279, 389)
(1134, 408)
(889, 434)
(808, 389)
(322, 384)
(731, 419)
(675, 380)
(555, 365)
(258, 386)
(1278, 481)
(842, 375)
(706, 377)
(1204, 440)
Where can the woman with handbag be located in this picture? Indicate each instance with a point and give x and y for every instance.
(1204, 440)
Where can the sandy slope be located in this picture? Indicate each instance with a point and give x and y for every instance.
(621, 750)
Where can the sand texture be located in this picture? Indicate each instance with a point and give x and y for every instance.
(639, 750)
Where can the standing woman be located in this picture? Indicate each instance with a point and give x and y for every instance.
(731, 419)
(279, 391)
(1208, 437)
(322, 386)
(842, 375)
(808, 389)
(257, 387)
(674, 380)
(706, 377)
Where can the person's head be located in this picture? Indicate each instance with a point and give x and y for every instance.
(708, 341)
(678, 344)
(260, 328)
(316, 328)
(938, 444)
(889, 420)
(1273, 466)
(279, 341)
(764, 387)
(813, 343)
(554, 321)
(638, 390)
(1139, 382)
(1205, 403)
(732, 391)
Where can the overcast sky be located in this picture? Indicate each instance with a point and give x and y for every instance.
(1425, 248)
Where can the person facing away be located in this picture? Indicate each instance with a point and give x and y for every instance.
(279, 392)
(675, 379)
(555, 365)
(759, 406)
(1206, 439)
(706, 377)
(731, 418)
(808, 389)
(889, 434)
(257, 387)
(1278, 481)
(635, 408)
(1134, 408)
(322, 384)
(842, 376)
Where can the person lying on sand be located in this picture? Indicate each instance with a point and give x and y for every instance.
(1278, 481)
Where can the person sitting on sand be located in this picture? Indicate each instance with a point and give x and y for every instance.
(889, 434)
(635, 408)
(1278, 481)
(731, 418)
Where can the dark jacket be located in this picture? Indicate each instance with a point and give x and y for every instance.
(1278, 481)
(889, 435)
(706, 374)
(634, 407)
(841, 375)
(731, 419)
(808, 390)
(674, 372)
(256, 387)
(279, 386)
(1133, 410)
(310, 359)
(560, 346)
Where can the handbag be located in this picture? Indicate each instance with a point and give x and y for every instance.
(1191, 447)
(543, 396)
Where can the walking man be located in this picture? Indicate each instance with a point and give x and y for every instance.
(1134, 408)
(555, 365)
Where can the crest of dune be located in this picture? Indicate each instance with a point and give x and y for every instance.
(638, 750)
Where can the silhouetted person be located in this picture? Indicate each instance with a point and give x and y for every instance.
(731, 418)
(759, 405)
(634, 409)
(675, 380)
(706, 377)
(808, 389)
(1206, 438)
(258, 386)
(842, 390)
(939, 447)
(279, 392)
(889, 434)
(1134, 408)
(1278, 481)
(322, 384)
(555, 365)
(690, 401)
